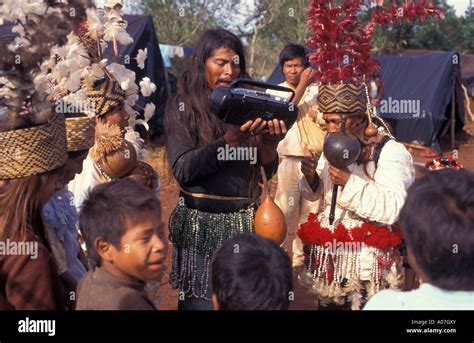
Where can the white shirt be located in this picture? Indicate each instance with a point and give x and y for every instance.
(379, 200)
(427, 297)
(291, 145)
(85, 181)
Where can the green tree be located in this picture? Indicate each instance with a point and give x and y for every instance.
(273, 25)
(468, 31)
(445, 34)
(440, 35)
(181, 22)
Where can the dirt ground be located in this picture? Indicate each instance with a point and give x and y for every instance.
(303, 301)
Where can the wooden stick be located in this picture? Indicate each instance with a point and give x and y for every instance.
(468, 103)
(265, 181)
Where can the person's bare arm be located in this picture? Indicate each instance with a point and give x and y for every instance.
(308, 168)
(305, 81)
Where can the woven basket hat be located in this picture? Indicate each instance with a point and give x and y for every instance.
(80, 132)
(106, 95)
(33, 150)
(344, 98)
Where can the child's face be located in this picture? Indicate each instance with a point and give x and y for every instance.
(143, 249)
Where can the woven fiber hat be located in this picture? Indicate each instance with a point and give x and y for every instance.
(33, 150)
(105, 96)
(80, 132)
(342, 98)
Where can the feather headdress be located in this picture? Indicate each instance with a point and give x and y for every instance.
(32, 135)
(342, 53)
(342, 44)
(40, 25)
(78, 73)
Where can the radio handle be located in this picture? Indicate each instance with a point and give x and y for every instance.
(239, 81)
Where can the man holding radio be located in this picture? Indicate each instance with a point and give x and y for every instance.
(218, 196)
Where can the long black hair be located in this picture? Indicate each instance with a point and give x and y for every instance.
(189, 109)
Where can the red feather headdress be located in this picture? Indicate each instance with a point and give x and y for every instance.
(342, 44)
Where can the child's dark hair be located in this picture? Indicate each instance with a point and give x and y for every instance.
(250, 272)
(292, 51)
(438, 225)
(109, 208)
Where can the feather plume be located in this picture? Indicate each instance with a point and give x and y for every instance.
(394, 281)
(356, 301)
(342, 45)
(108, 138)
(353, 285)
(40, 25)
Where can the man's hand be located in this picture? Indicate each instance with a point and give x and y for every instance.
(305, 78)
(276, 131)
(338, 176)
(238, 134)
(305, 81)
(308, 168)
(268, 141)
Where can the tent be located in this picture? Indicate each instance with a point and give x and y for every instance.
(141, 28)
(467, 61)
(418, 95)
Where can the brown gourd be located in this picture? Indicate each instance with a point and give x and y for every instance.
(370, 130)
(269, 219)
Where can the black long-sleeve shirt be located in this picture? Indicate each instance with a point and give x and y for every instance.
(199, 170)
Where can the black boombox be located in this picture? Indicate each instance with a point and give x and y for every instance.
(236, 105)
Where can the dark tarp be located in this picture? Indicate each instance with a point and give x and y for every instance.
(142, 30)
(6, 34)
(429, 80)
(426, 79)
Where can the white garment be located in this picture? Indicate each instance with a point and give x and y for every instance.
(289, 199)
(85, 181)
(425, 298)
(290, 150)
(291, 144)
(379, 200)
